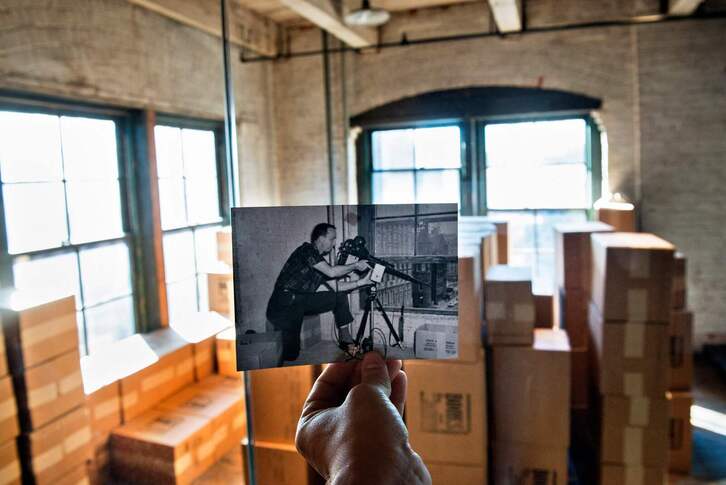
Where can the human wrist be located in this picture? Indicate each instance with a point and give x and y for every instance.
(401, 465)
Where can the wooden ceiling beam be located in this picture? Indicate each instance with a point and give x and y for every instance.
(683, 7)
(507, 15)
(325, 15)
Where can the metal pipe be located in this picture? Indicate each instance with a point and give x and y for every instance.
(328, 116)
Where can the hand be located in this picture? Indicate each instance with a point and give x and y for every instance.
(351, 429)
(365, 281)
(362, 265)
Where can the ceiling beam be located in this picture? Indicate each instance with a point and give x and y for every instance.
(683, 7)
(246, 28)
(324, 14)
(507, 15)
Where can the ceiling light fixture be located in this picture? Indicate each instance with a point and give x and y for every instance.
(367, 16)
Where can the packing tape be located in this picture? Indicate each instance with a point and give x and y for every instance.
(105, 408)
(496, 310)
(70, 382)
(639, 265)
(48, 330)
(182, 463)
(632, 445)
(156, 379)
(634, 345)
(185, 367)
(10, 473)
(77, 439)
(637, 304)
(523, 312)
(130, 399)
(633, 384)
(47, 459)
(639, 414)
(634, 475)
(205, 450)
(239, 421)
(42, 395)
(220, 435)
(7, 409)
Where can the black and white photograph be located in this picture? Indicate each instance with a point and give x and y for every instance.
(320, 284)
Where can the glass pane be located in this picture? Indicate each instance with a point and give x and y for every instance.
(203, 292)
(205, 241)
(34, 216)
(438, 147)
(391, 210)
(89, 148)
(200, 159)
(182, 298)
(109, 322)
(545, 187)
(395, 237)
(392, 149)
(437, 236)
(30, 149)
(393, 188)
(171, 200)
(95, 210)
(168, 151)
(54, 275)
(437, 186)
(202, 200)
(106, 273)
(179, 256)
(535, 143)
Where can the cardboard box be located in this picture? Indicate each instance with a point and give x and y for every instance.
(470, 308)
(446, 474)
(573, 254)
(519, 464)
(57, 448)
(580, 379)
(9, 464)
(680, 432)
(543, 311)
(3, 354)
(78, 476)
(224, 245)
(681, 351)
(278, 463)
(509, 306)
(622, 220)
(629, 358)
(221, 291)
(8, 410)
(531, 391)
(49, 390)
(631, 475)
(160, 447)
(37, 328)
(254, 351)
(570, 313)
(99, 467)
(226, 353)
(436, 341)
(502, 242)
(199, 329)
(446, 411)
(173, 370)
(234, 384)
(104, 409)
(634, 431)
(280, 426)
(632, 276)
(679, 294)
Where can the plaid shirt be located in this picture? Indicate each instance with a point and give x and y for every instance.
(298, 274)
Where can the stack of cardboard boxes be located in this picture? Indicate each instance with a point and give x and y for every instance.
(629, 319)
(9, 461)
(530, 384)
(41, 340)
(681, 372)
(573, 275)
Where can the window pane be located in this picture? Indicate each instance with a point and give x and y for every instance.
(392, 149)
(182, 298)
(171, 200)
(30, 149)
(95, 210)
(535, 143)
(545, 187)
(55, 275)
(437, 186)
(395, 237)
(205, 241)
(393, 188)
(438, 147)
(109, 322)
(179, 256)
(437, 236)
(89, 148)
(168, 151)
(203, 292)
(106, 273)
(34, 216)
(199, 154)
(202, 200)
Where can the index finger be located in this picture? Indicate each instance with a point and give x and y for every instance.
(330, 388)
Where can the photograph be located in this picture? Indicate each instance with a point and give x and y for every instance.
(320, 284)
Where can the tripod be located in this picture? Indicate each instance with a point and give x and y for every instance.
(366, 344)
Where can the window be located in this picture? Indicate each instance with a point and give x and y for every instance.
(191, 207)
(65, 229)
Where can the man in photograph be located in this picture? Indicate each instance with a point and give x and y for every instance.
(296, 290)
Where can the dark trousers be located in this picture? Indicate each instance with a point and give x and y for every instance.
(286, 310)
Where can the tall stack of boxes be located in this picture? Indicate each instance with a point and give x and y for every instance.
(41, 340)
(220, 285)
(573, 275)
(629, 320)
(530, 384)
(446, 405)
(9, 461)
(680, 378)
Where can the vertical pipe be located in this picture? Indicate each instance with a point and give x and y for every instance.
(328, 116)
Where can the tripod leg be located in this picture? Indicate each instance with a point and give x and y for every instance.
(388, 322)
(363, 323)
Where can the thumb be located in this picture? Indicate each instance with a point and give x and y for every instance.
(375, 372)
